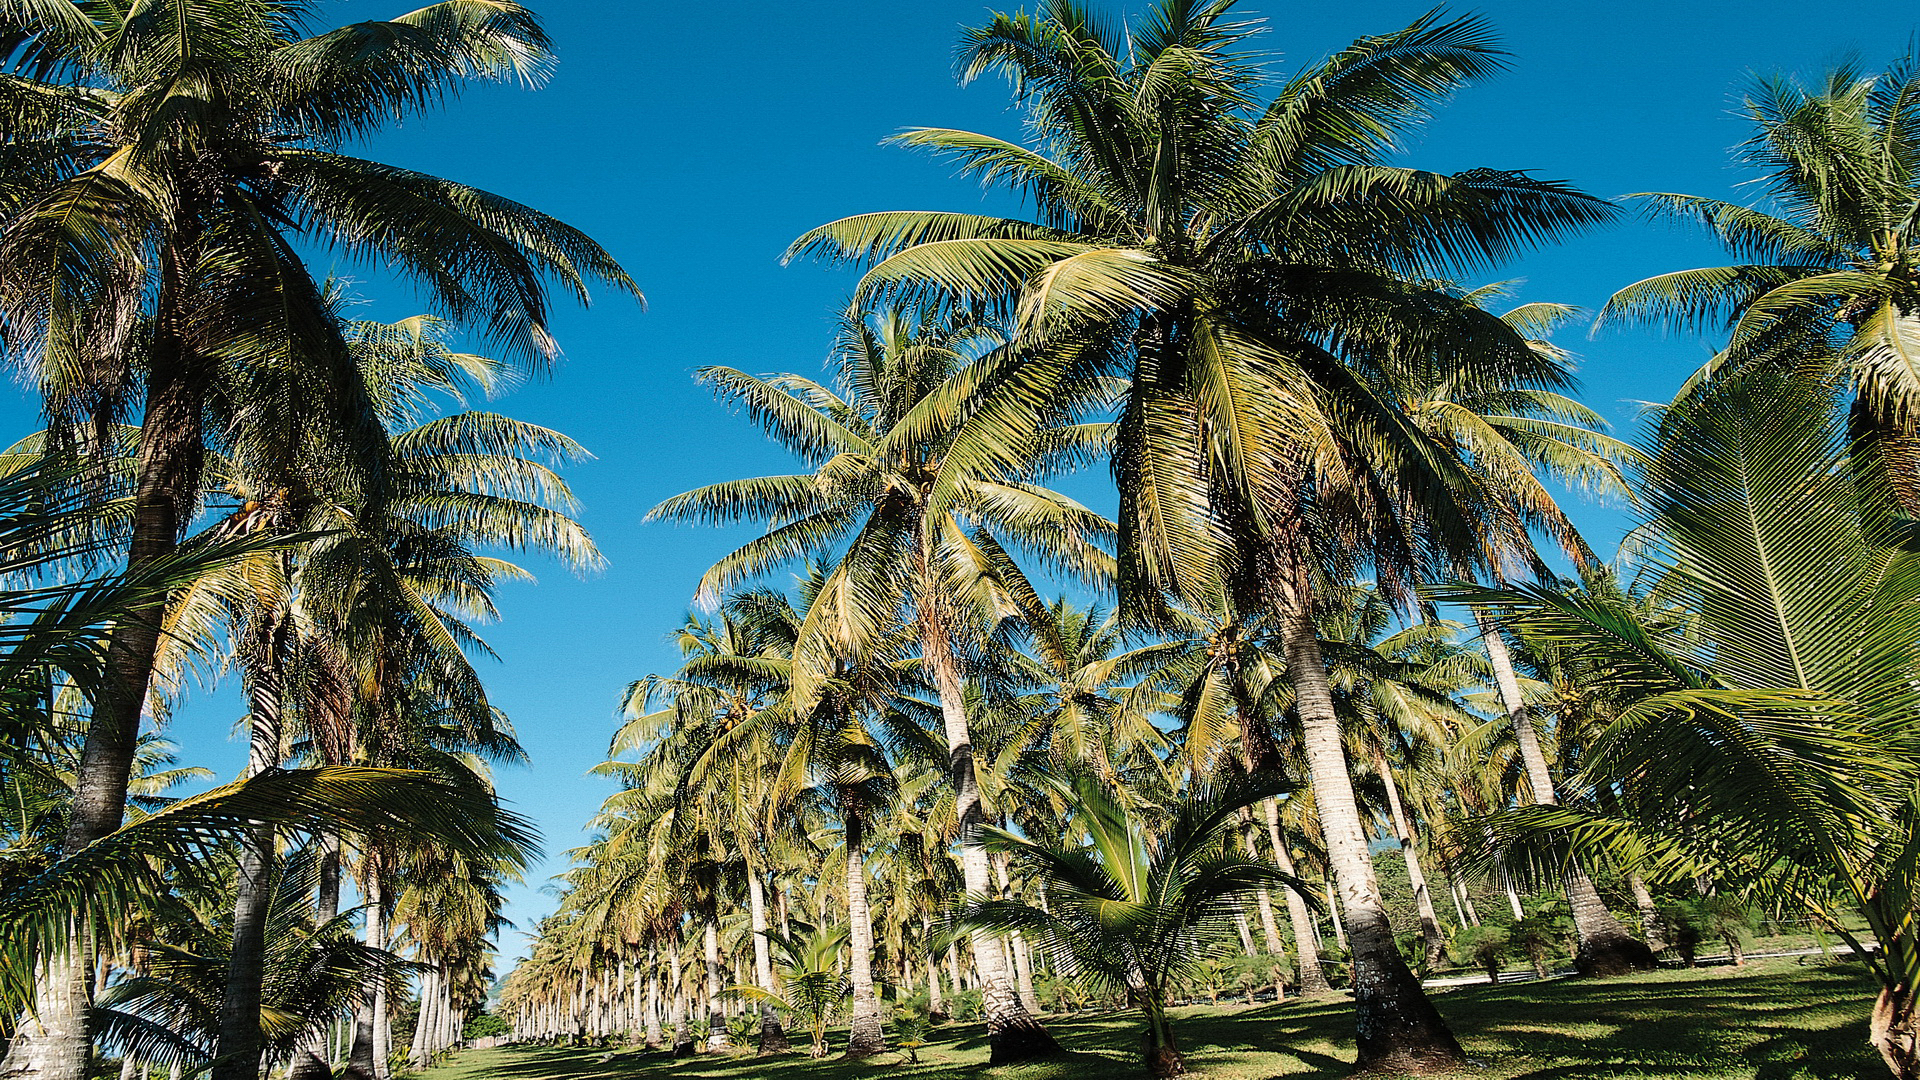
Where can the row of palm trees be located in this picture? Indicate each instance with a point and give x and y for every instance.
(293, 497)
(1226, 291)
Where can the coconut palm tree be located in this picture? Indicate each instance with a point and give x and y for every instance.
(1136, 907)
(1516, 433)
(1241, 286)
(1768, 734)
(879, 455)
(815, 988)
(1828, 254)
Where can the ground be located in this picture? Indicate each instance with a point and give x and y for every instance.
(1778, 1020)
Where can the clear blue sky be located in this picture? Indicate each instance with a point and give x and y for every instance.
(695, 141)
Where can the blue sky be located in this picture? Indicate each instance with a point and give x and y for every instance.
(695, 141)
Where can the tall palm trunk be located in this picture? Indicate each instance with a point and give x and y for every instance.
(716, 979)
(1433, 942)
(421, 1054)
(682, 1031)
(53, 1042)
(1012, 1032)
(865, 1035)
(367, 1060)
(936, 1001)
(653, 997)
(773, 1037)
(238, 1052)
(1306, 946)
(1018, 951)
(1398, 1028)
(1605, 946)
(310, 1061)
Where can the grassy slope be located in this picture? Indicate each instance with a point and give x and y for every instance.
(1771, 1021)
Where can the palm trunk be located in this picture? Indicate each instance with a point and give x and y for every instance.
(653, 998)
(1398, 1028)
(238, 1052)
(1433, 942)
(1161, 1052)
(773, 1037)
(682, 1032)
(421, 1053)
(1895, 1031)
(716, 1017)
(1306, 946)
(865, 1035)
(311, 1059)
(1649, 912)
(366, 1060)
(1018, 952)
(1605, 946)
(54, 1043)
(936, 1003)
(1012, 1032)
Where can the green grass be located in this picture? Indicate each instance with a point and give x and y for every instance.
(1768, 1021)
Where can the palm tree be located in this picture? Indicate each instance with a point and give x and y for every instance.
(1136, 909)
(810, 971)
(1398, 689)
(879, 455)
(1767, 735)
(1241, 285)
(1511, 431)
(1828, 257)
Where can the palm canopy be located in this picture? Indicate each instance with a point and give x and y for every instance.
(1829, 254)
(115, 114)
(1240, 259)
(879, 447)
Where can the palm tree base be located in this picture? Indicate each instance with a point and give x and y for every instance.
(1022, 1039)
(1602, 957)
(1400, 1032)
(865, 1040)
(1163, 1061)
(773, 1037)
(1895, 1032)
(310, 1067)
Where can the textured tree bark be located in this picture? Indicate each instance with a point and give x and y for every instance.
(1605, 946)
(865, 1034)
(1397, 1028)
(716, 979)
(365, 1061)
(682, 1031)
(1894, 1030)
(773, 1037)
(653, 998)
(1306, 947)
(238, 1051)
(1432, 940)
(1012, 1032)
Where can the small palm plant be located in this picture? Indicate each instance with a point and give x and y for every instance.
(1136, 909)
(816, 988)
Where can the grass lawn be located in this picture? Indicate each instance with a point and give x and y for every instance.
(1775, 1020)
